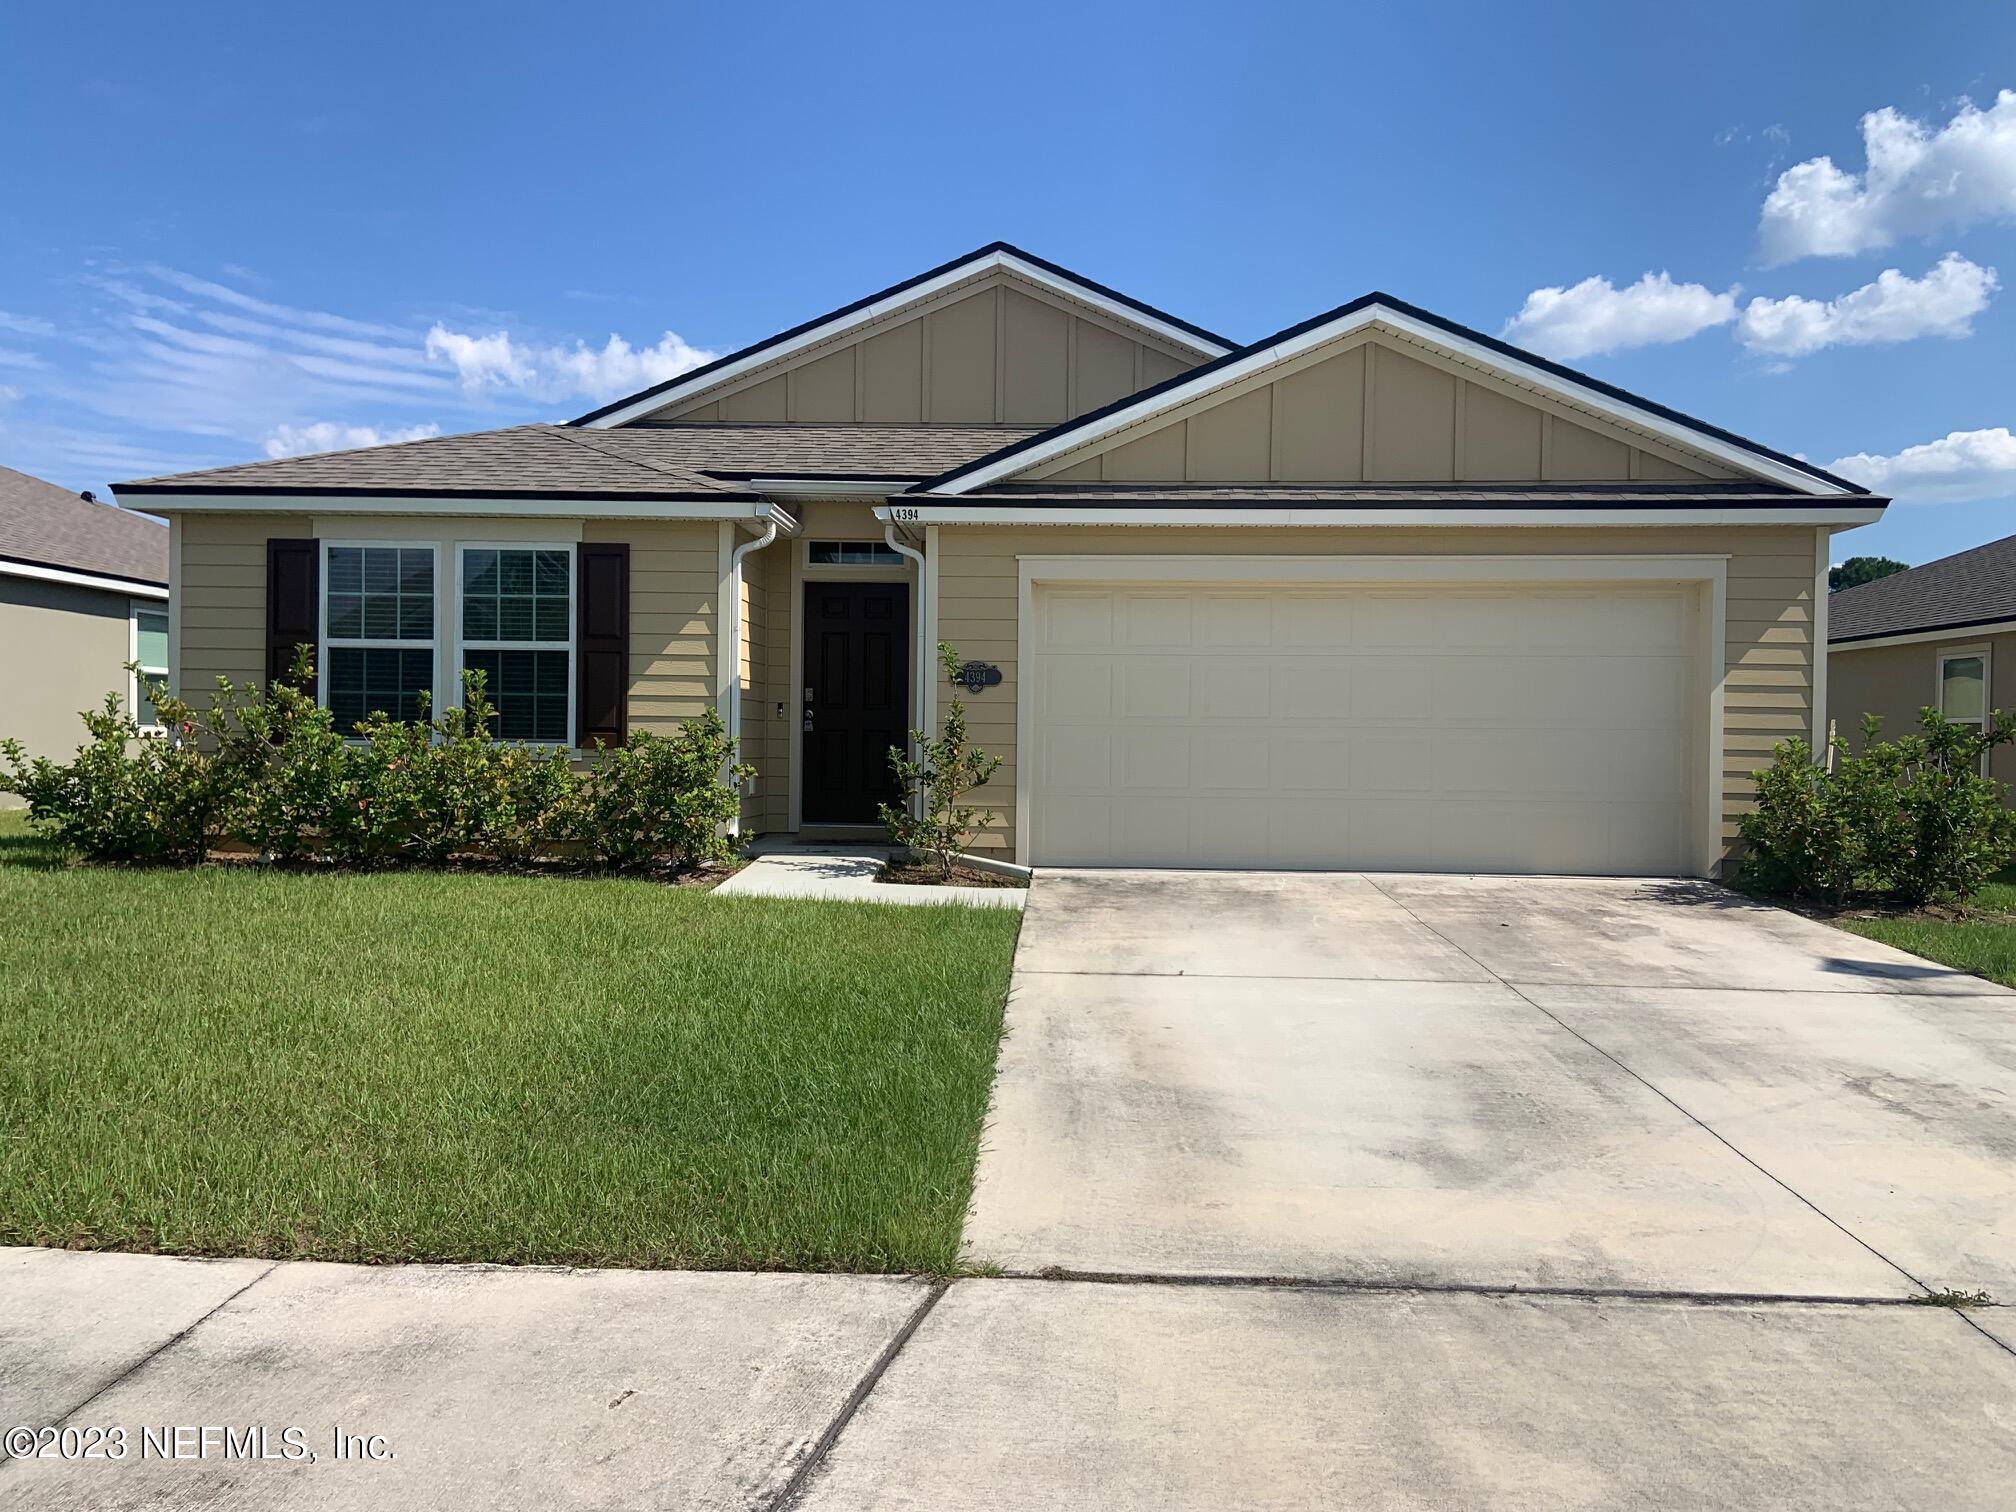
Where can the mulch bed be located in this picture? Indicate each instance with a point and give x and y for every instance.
(928, 874)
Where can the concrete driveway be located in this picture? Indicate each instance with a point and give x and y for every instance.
(1590, 1085)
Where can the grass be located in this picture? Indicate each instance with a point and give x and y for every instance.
(1984, 942)
(419, 1066)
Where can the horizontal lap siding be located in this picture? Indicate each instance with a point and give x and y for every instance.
(221, 597)
(1768, 679)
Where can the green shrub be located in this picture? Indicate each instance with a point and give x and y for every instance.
(662, 798)
(1912, 818)
(126, 796)
(267, 768)
(945, 771)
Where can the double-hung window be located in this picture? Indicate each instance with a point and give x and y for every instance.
(377, 631)
(1963, 688)
(150, 650)
(518, 630)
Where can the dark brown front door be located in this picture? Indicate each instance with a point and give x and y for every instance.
(857, 679)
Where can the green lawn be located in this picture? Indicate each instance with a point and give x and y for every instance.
(1983, 943)
(420, 1066)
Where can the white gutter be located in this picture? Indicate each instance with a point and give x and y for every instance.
(930, 510)
(925, 657)
(731, 634)
(831, 488)
(129, 587)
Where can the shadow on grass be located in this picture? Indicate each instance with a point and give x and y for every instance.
(21, 845)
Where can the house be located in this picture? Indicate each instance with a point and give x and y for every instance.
(1941, 636)
(1374, 591)
(83, 591)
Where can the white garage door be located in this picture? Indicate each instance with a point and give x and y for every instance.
(1442, 729)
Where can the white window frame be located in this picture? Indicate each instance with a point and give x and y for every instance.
(896, 564)
(1979, 653)
(463, 646)
(134, 609)
(367, 643)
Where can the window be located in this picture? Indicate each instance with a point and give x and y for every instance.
(377, 631)
(150, 650)
(1963, 689)
(518, 630)
(853, 554)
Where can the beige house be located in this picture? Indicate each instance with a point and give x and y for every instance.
(83, 591)
(1375, 591)
(1941, 636)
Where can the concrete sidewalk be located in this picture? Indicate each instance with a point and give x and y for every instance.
(486, 1387)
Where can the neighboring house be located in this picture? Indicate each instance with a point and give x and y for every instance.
(1374, 591)
(1941, 636)
(83, 591)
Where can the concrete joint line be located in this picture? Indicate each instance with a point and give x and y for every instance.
(1236, 976)
(2006, 1348)
(1348, 1284)
(1656, 1091)
(802, 1477)
(156, 1352)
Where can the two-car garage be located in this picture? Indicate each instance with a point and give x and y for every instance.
(1560, 723)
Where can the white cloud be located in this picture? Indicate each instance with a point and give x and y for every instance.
(327, 435)
(495, 361)
(1893, 308)
(26, 325)
(1593, 316)
(1958, 467)
(1918, 181)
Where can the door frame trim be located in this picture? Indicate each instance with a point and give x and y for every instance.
(804, 576)
(1708, 572)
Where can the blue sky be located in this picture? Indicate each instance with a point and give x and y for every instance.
(246, 230)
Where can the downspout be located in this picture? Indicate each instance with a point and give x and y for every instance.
(926, 654)
(731, 630)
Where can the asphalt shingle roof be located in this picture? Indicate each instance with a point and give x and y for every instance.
(1971, 588)
(670, 461)
(48, 526)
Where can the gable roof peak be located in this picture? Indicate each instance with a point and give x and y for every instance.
(997, 254)
(1411, 320)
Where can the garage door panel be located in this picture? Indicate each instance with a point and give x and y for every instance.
(1227, 621)
(1075, 620)
(1441, 728)
(1075, 688)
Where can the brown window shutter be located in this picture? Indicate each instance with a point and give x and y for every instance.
(601, 643)
(293, 605)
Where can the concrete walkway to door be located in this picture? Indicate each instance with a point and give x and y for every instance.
(1590, 1085)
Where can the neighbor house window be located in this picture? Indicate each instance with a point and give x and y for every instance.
(1963, 689)
(853, 554)
(518, 630)
(377, 631)
(150, 650)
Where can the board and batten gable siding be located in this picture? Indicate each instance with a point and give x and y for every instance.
(997, 351)
(674, 585)
(1768, 671)
(1376, 409)
(1895, 682)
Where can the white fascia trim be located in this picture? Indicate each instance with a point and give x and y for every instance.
(82, 580)
(437, 504)
(1953, 636)
(927, 514)
(831, 488)
(915, 294)
(1254, 362)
